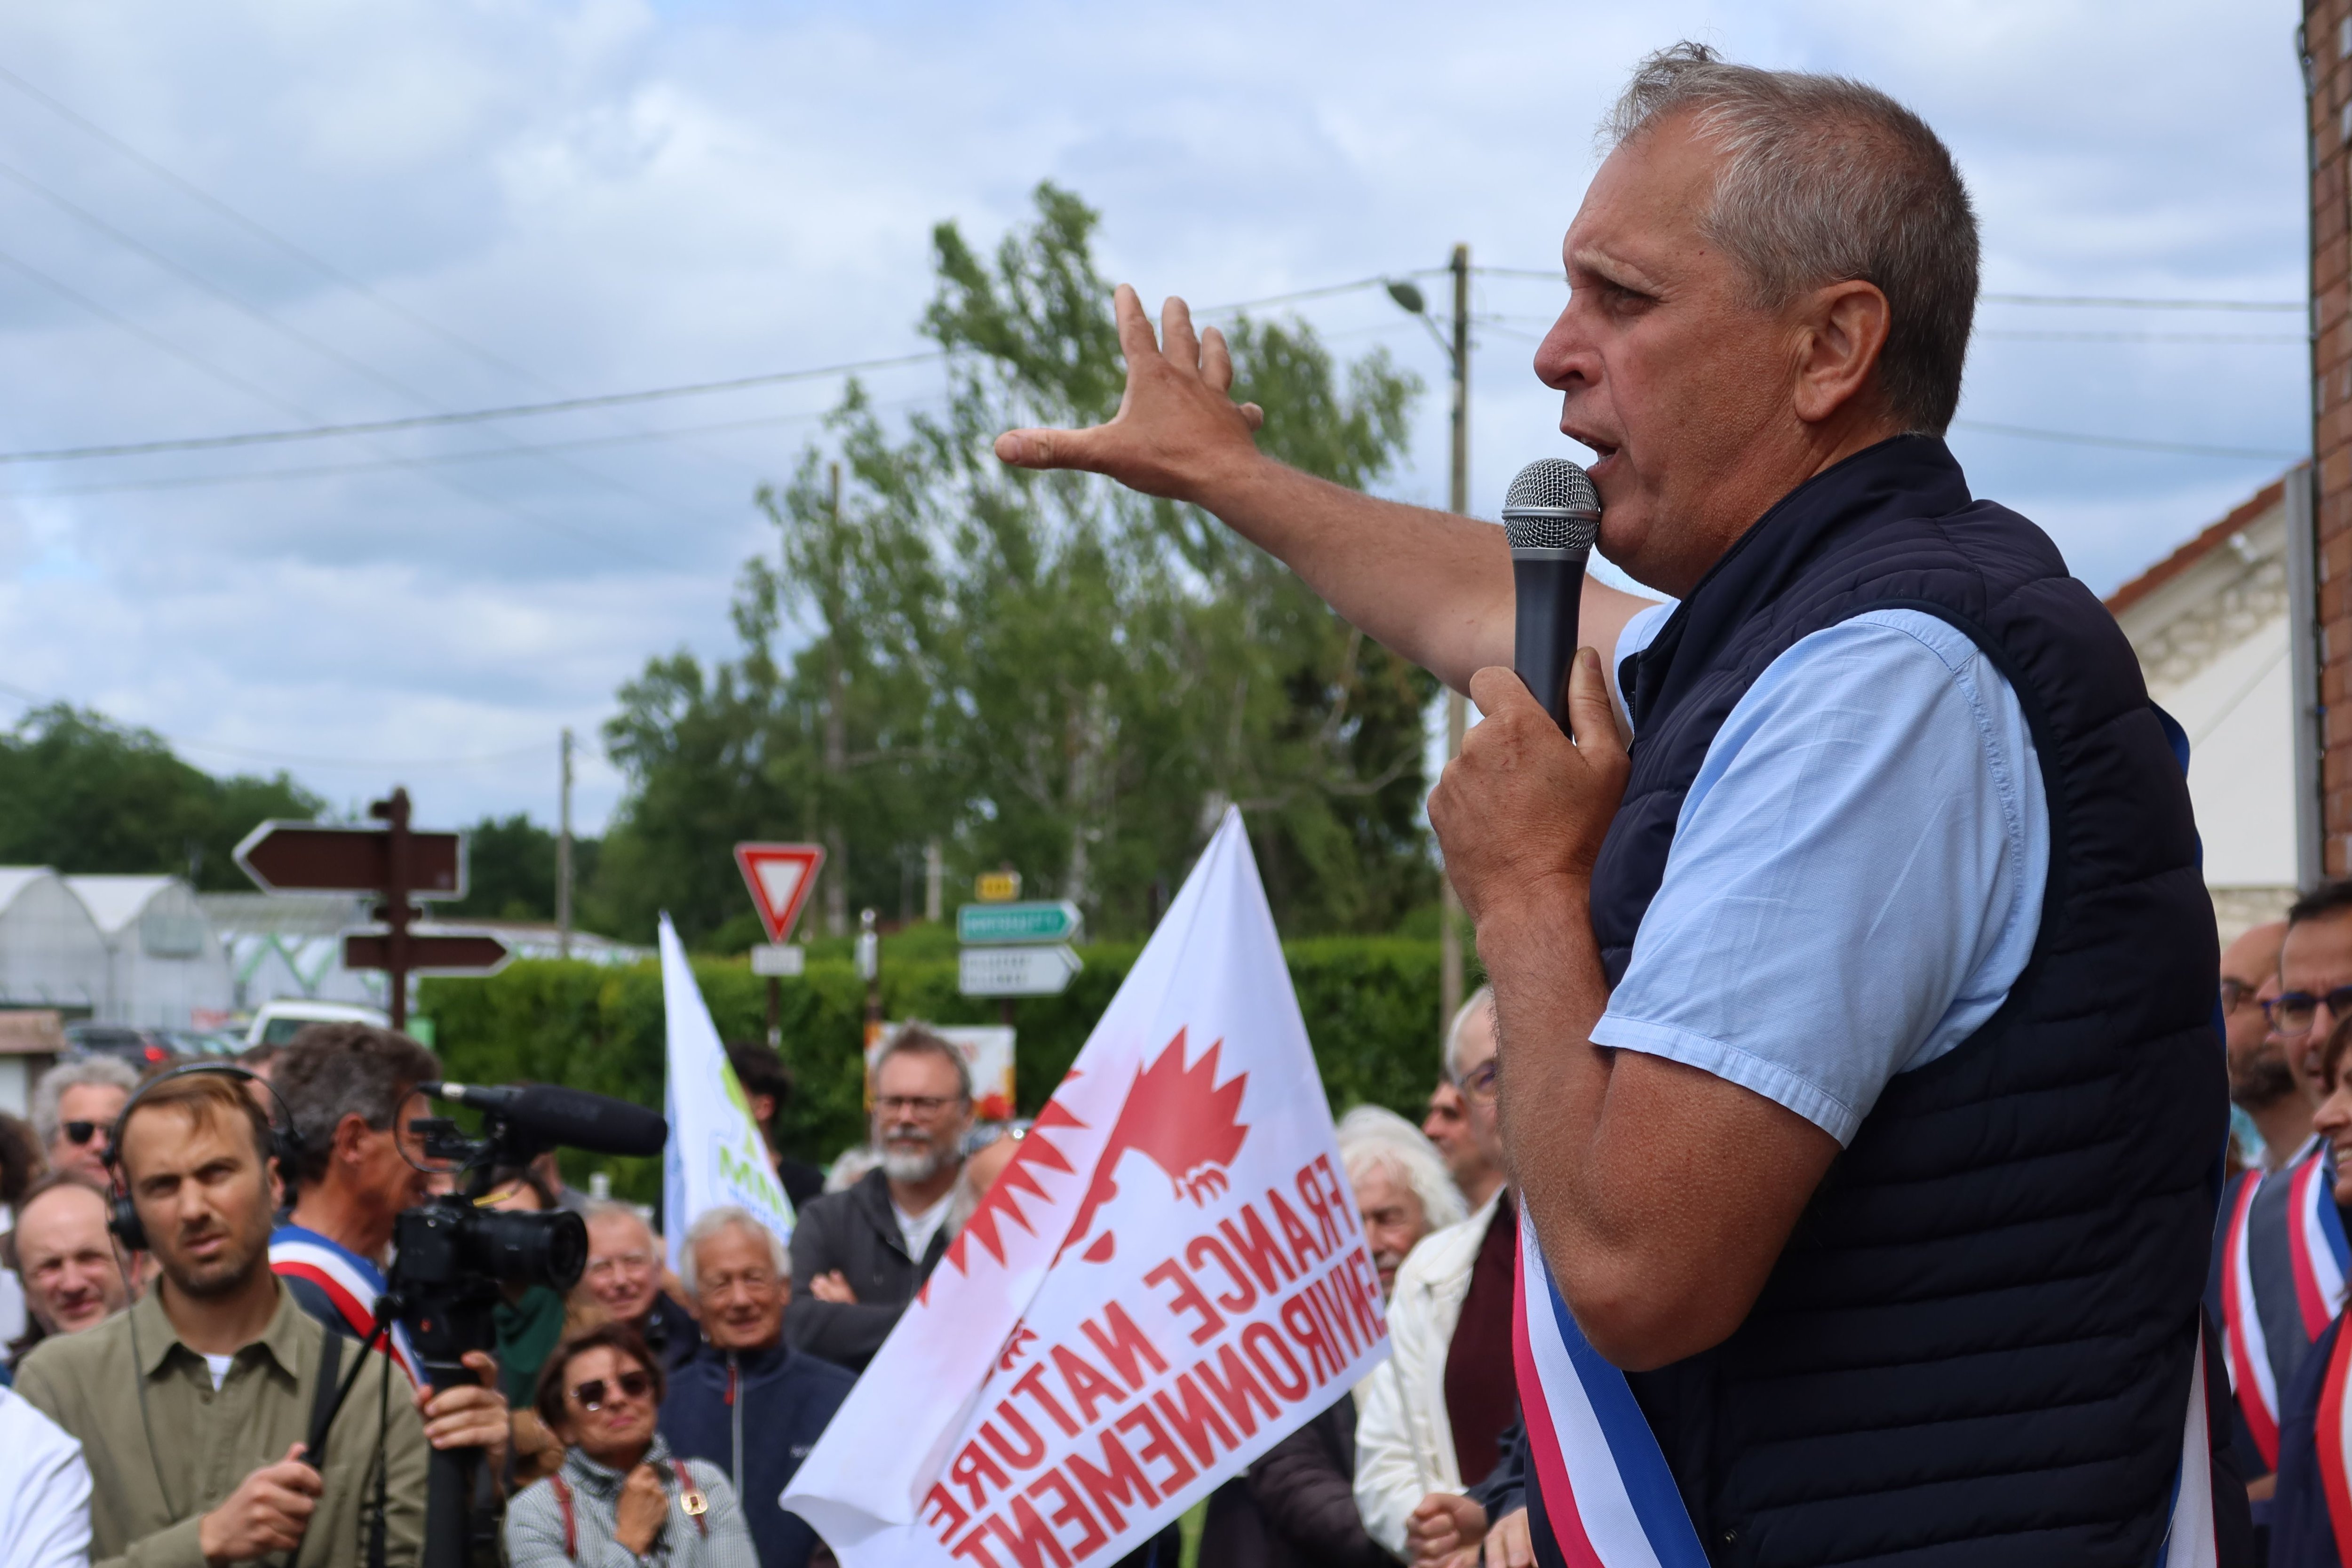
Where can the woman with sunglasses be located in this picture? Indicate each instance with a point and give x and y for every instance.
(621, 1500)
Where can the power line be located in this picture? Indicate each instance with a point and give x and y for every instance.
(2188, 449)
(2297, 339)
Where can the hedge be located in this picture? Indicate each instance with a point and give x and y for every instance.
(1370, 1006)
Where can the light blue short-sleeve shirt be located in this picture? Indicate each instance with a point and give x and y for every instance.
(1856, 874)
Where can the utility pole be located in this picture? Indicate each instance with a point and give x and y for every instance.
(1449, 915)
(933, 871)
(563, 857)
(836, 754)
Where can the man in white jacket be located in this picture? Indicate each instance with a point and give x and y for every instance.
(44, 1490)
(1434, 1407)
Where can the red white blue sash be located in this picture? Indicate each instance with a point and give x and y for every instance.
(2243, 1341)
(2335, 1446)
(1607, 1495)
(1600, 1487)
(2316, 1243)
(349, 1281)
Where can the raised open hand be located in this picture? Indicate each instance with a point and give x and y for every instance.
(1176, 433)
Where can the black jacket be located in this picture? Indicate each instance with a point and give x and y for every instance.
(671, 1332)
(1295, 1508)
(756, 1416)
(856, 1231)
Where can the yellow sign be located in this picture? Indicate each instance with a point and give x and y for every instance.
(996, 886)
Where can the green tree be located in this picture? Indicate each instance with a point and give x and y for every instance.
(510, 871)
(83, 794)
(1042, 669)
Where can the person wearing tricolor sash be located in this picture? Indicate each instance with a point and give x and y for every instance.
(2310, 1515)
(1860, 1078)
(2280, 1254)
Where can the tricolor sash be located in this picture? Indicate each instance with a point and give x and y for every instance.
(1599, 1494)
(2245, 1345)
(349, 1281)
(2335, 1449)
(2315, 1243)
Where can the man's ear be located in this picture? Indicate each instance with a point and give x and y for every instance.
(348, 1133)
(1842, 333)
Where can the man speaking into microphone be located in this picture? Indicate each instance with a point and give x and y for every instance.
(1858, 1067)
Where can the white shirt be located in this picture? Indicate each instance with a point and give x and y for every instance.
(218, 1366)
(44, 1490)
(916, 1229)
(1856, 874)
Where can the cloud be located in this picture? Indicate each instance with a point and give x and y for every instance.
(603, 195)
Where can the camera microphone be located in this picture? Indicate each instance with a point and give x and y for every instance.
(1552, 514)
(551, 1114)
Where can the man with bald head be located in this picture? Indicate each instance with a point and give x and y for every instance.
(2261, 1083)
(75, 1277)
(1898, 875)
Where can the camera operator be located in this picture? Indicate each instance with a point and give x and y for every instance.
(345, 1085)
(192, 1407)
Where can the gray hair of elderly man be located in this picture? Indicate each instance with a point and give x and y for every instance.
(1825, 180)
(82, 1072)
(709, 1223)
(1483, 997)
(1374, 1138)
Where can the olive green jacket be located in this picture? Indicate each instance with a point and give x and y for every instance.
(154, 1473)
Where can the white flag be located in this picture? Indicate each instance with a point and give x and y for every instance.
(1169, 1278)
(716, 1155)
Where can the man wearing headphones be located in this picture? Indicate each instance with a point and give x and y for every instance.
(193, 1409)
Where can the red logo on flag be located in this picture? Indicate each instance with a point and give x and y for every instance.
(780, 877)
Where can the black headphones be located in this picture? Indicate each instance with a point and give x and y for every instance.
(285, 1147)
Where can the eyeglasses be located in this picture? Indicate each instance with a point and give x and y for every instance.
(78, 1132)
(1479, 1082)
(2291, 1012)
(593, 1393)
(632, 1261)
(2236, 994)
(915, 1104)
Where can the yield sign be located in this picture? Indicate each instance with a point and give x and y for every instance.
(780, 877)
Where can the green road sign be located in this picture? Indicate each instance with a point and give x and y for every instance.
(992, 924)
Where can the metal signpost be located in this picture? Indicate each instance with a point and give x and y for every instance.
(998, 925)
(1011, 972)
(396, 863)
(780, 877)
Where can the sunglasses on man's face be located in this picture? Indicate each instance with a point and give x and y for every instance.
(78, 1132)
(593, 1393)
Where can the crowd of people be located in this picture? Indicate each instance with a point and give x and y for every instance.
(193, 1256)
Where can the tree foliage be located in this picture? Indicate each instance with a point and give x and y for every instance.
(84, 793)
(1043, 670)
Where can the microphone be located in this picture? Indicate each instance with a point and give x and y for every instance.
(571, 1117)
(1552, 514)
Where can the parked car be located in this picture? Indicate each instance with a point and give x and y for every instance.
(142, 1049)
(278, 1022)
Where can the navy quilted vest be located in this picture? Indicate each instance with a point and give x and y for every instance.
(1975, 1347)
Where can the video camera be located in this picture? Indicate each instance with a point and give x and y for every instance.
(452, 1256)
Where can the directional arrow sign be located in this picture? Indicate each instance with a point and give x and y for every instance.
(429, 952)
(986, 924)
(316, 856)
(1016, 970)
(780, 877)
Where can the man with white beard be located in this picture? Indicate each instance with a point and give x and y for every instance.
(865, 1251)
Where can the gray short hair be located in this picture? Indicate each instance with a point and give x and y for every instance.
(82, 1072)
(328, 1071)
(919, 1039)
(1484, 997)
(1825, 180)
(613, 1208)
(709, 1223)
(1371, 1137)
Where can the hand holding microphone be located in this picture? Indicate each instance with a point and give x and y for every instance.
(1521, 812)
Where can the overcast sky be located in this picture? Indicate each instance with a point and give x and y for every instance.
(530, 199)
